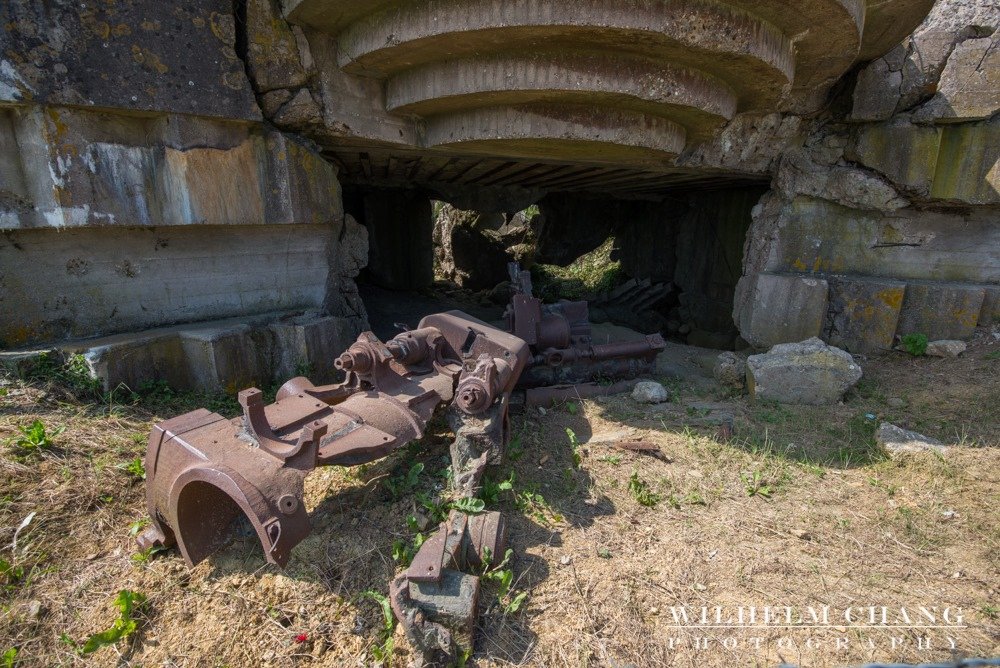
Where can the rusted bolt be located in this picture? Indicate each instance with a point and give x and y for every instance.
(288, 504)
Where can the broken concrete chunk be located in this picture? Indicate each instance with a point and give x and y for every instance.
(810, 372)
(649, 392)
(896, 440)
(945, 348)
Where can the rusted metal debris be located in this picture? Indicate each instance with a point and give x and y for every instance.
(562, 347)
(205, 471)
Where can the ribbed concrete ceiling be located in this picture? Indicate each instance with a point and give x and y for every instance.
(606, 83)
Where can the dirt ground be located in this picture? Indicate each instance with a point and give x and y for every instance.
(797, 507)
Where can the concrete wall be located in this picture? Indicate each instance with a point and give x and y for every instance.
(884, 217)
(139, 188)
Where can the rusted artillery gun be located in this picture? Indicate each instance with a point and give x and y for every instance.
(205, 471)
(563, 351)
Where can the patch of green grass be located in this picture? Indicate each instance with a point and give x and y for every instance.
(9, 658)
(128, 604)
(995, 355)
(11, 576)
(990, 611)
(915, 344)
(614, 460)
(641, 492)
(586, 277)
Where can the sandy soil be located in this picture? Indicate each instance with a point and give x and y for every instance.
(798, 508)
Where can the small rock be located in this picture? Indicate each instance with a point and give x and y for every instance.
(604, 553)
(949, 514)
(802, 534)
(945, 348)
(33, 610)
(423, 522)
(730, 370)
(654, 610)
(649, 392)
(544, 459)
(684, 329)
(896, 439)
(318, 648)
(700, 587)
(810, 372)
(542, 411)
(566, 560)
(896, 402)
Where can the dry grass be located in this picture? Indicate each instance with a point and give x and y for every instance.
(799, 509)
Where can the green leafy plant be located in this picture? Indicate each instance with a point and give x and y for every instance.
(436, 509)
(470, 505)
(382, 651)
(34, 440)
(641, 492)
(403, 551)
(915, 344)
(614, 460)
(574, 444)
(10, 575)
(515, 450)
(571, 407)
(147, 555)
(503, 576)
(492, 489)
(401, 485)
(137, 526)
(754, 485)
(8, 658)
(128, 603)
(135, 468)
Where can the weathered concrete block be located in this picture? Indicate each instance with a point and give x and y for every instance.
(941, 310)
(141, 56)
(905, 153)
(991, 306)
(897, 440)
(131, 360)
(969, 88)
(783, 308)
(453, 602)
(967, 163)
(228, 358)
(810, 372)
(863, 313)
(309, 344)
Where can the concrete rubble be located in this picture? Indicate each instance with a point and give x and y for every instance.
(897, 440)
(810, 372)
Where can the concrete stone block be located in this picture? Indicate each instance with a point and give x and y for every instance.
(905, 153)
(131, 360)
(941, 310)
(228, 358)
(990, 315)
(784, 308)
(308, 345)
(863, 313)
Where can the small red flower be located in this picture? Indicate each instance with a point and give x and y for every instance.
(301, 638)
